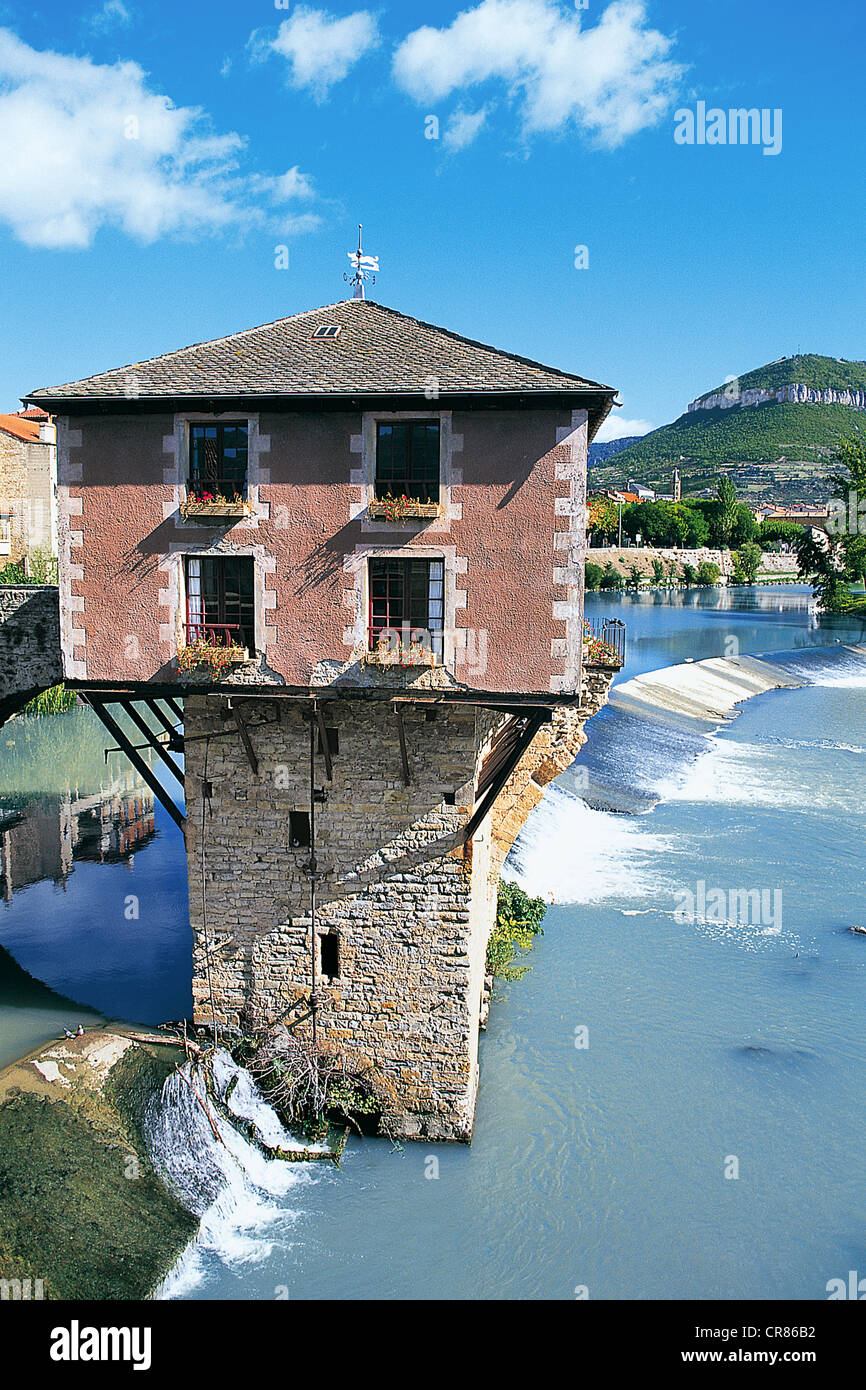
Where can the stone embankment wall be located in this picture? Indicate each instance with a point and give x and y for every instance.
(772, 565)
(642, 556)
(407, 906)
(30, 658)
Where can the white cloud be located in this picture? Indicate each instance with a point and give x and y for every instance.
(89, 145)
(611, 80)
(462, 128)
(615, 427)
(113, 13)
(319, 48)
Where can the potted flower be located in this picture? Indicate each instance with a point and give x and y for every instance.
(204, 656)
(202, 504)
(399, 508)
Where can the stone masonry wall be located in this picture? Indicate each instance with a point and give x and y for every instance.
(412, 908)
(29, 644)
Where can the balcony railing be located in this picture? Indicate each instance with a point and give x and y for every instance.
(604, 643)
(404, 646)
(213, 488)
(218, 634)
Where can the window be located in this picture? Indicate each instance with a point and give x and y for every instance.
(407, 603)
(407, 459)
(219, 600)
(299, 829)
(5, 533)
(327, 330)
(218, 460)
(333, 736)
(329, 955)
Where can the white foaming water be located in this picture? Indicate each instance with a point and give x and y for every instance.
(224, 1180)
(569, 853)
(844, 667)
(734, 773)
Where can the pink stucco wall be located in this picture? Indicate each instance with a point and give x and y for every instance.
(121, 535)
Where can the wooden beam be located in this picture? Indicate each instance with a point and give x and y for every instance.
(534, 723)
(145, 772)
(132, 713)
(175, 739)
(323, 735)
(174, 707)
(245, 739)
(401, 734)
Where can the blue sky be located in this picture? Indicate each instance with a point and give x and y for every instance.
(156, 155)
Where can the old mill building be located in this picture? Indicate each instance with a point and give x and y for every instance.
(338, 561)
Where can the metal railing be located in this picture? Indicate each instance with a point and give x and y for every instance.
(606, 641)
(217, 487)
(217, 634)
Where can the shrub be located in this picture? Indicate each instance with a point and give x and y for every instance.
(518, 922)
(611, 578)
(708, 573)
(594, 574)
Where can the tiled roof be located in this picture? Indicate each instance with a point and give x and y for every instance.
(378, 351)
(22, 426)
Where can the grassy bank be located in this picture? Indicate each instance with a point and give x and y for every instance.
(83, 1211)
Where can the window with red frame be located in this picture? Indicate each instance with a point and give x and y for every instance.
(220, 603)
(407, 603)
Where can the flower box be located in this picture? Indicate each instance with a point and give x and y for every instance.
(402, 508)
(214, 508)
(202, 657)
(405, 657)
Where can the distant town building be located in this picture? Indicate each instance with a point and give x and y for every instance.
(28, 475)
(644, 494)
(804, 514)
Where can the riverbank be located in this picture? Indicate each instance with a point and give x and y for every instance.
(84, 1214)
(775, 568)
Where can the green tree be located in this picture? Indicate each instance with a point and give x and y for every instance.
(634, 576)
(690, 574)
(611, 578)
(594, 575)
(696, 524)
(821, 561)
(747, 562)
(708, 573)
(771, 532)
(658, 572)
(603, 518)
(745, 527)
(726, 495)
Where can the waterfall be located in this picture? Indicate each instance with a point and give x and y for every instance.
(218, 1173)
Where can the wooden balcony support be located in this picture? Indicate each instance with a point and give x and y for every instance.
(513, 741)
(144, 770)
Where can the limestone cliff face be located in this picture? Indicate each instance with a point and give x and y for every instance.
(796, 393)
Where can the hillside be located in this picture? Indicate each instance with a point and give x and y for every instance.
(773, 447)
(600, 453)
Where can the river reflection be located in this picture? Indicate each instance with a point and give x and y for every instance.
(92, 880)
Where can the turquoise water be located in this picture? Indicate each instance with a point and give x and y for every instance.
(710, 1040)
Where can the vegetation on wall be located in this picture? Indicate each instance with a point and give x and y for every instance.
(518, 922)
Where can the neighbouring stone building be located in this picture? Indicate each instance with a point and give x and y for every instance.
(353, 544)
(28, 474)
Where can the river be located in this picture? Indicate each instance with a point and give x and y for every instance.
(670, 1100)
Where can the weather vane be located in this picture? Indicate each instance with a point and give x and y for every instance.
(365, 268)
